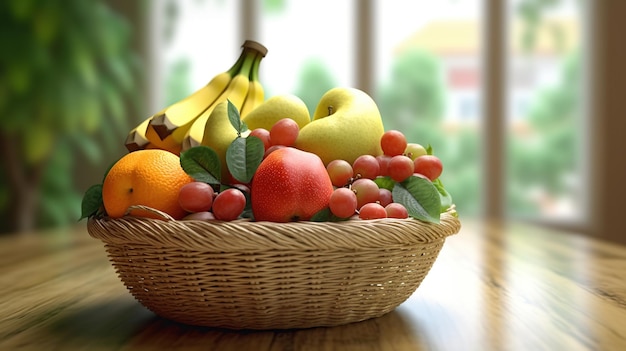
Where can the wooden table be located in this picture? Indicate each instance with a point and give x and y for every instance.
(512, 287)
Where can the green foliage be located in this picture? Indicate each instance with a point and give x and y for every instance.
(67, 74)
(275, 6)
(178, 81)
(315, 79)
(532, 12)
(417, 85)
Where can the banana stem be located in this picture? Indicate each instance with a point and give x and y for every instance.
(247, 63)
(249, 48)
(237, 66)
(254, 74)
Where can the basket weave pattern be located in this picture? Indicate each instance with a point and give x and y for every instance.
(262, 275)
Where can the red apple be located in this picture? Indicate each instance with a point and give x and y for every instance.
(290, 185)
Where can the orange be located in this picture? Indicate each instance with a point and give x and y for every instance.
(151, 178)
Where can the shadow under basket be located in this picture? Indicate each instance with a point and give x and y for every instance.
(263, 275)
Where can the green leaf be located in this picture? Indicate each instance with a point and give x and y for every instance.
(446, 198)
(243, 157)
(429, 150)
(202, 163)
(385, 183)
(235, 119)
(420, 197)
(92, 201)
(324, 215)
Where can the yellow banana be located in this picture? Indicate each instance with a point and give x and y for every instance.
(256, 93)
(152, 129)
(136, 139)
(168, 128)
(143, 137)
(177, 118)
(236, 92)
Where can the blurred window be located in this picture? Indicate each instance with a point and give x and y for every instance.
(545, 168)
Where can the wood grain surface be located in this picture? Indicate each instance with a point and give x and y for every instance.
(514, 287)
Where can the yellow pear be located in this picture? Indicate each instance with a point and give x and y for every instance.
(275, 108)
(346, 124)
(219, 134)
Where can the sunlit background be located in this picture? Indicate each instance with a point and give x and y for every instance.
(79, 74)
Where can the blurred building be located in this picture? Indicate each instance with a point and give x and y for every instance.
(458, 45)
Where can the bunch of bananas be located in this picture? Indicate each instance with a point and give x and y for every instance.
(182, 124)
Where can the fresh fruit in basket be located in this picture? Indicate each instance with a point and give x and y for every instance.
(341, 168)
(283, 166)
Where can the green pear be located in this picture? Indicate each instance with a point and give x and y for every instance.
(219, 134)
(275, 108)
(346, 125)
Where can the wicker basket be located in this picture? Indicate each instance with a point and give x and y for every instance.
(262, 275)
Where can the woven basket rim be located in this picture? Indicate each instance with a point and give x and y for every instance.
(246, 235)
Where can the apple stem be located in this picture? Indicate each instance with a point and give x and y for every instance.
(330, 110)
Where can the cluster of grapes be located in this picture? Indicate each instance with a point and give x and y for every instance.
(201, 200)
(357, 193)
(203, 203)
(283, 133)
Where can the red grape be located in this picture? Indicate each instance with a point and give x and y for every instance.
(343, 202)
(393, 143)
(229, 204)
(428, 165)
(396, 210)
(384, 197)
(367, 166)
(372, 211)
(284, 132)
(383, 163)
(196, 197)
(366, 191)
(340, 172)
(400, 168)
(262, 134)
